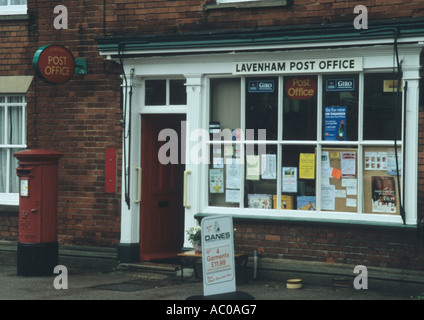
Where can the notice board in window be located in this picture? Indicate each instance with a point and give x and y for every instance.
(339, 179)
(381, 189)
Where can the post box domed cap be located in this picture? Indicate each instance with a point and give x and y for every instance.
(38, 154)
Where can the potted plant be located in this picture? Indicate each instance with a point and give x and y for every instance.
(194, 236)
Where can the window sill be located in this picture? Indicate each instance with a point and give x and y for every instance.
(14, 17)
(10, 200)
(316, 221)
(249, 4)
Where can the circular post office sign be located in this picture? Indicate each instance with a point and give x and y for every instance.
(53, 63)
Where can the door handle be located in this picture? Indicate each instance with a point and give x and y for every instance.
(139, 172)
(185, 203)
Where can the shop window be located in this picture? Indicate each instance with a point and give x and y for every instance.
(340, 108)
(262, 107)
(300, 108)
(225, 155)
(294, 166)
(260, 176)
(165, 92)
(13, 7)
(382, 117)
(12, 139)
(380, 179)
(298, 178)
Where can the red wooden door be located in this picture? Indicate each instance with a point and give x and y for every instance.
(162, 213)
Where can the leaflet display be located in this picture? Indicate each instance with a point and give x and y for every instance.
(339, 179)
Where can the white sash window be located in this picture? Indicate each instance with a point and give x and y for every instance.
(12, 139)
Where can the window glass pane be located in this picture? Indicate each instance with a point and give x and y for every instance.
(224, 176)
(15, 99)
(15, 125)
(2, 125)
(300, 108)
(381, 189)
(381, 119)
(155, 93)
(3, 2)
(298, 178)
(13, 178)
(18, 2)
(225, 163)
(225, 103)
(339, 179)
(340, 108)
(3, 169)
(262, 107)
(177, 94)
(260, 176)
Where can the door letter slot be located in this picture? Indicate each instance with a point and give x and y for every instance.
(163, 204)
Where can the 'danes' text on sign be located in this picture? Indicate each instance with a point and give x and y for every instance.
(299, 66)
(218, 255)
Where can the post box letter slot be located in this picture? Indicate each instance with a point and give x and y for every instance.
(23, 172)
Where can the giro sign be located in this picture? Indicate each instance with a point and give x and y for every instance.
(54, 64)
(218, 255)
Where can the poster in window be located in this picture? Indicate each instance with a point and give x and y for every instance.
(375, 160)
(232, 172)
(383, 194)
(216, 181)
(252, 167)
(335, 123)
(259, 201)
(289, 179)
(348, 164)
(306, 203)
(391, 163)
(307, 166)
(269, 166)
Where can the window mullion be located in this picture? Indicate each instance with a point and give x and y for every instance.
(242, 138)
(360, 177)
(280, 137)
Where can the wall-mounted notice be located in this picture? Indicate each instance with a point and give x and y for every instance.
(218, 255)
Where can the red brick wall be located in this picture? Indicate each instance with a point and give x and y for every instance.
(346, 244)
(80, 118)
(183, 15)
(15, 48)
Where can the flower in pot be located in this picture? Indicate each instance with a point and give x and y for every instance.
(194, 236)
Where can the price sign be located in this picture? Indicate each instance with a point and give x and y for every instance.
(218, 255)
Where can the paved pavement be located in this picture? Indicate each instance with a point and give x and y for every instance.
(136, 285)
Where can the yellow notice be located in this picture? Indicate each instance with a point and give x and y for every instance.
(307, 166)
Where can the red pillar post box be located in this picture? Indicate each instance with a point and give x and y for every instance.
(37, 244)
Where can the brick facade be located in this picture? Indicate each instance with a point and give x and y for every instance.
(82, 118)
(344, 244)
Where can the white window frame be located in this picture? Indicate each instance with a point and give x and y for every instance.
(10, 9)
(9, 198)
(318, 215)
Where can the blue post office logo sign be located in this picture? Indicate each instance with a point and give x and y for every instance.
(261, 86)
(340, 84)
